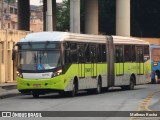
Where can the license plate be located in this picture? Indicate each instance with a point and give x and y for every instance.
(37, 85)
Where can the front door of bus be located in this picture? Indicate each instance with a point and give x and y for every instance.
(93, 54)
(139, 60)
(81, 65)
(119, 65)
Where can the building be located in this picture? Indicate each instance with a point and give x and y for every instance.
(10, 17)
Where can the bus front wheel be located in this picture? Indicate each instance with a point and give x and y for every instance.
(35, 95)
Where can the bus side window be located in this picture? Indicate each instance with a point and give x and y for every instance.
(146, 53)
(67, 52)
(104, 57)
(127, 53)
(73, 53)
(80, 53)
(93, 54)
(133, 53)
(141, 55)
(87, 53)
(119, 54)
(99, 55)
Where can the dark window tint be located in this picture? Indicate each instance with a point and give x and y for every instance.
(133, 54)
(93, 53)
(87, 53)
(101, 56)
(81, 53)
(73, 52)
(127, 53)
(119, 54)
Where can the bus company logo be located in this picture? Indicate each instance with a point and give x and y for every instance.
(6, 114)
(46, 75)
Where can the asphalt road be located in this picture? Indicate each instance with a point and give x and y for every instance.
(143, 98)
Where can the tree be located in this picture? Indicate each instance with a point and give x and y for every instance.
(63, 16)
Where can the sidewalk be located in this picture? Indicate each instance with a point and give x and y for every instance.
(8, 90)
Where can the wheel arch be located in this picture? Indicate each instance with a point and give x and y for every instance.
(134, 76)
(76, 81)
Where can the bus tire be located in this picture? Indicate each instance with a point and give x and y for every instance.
(99, 86)
(74, 90)
(155, 80)
(131, 84)
(35, 95)
(124, 87)
(62, 93)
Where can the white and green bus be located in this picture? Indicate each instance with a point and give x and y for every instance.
(67, 62)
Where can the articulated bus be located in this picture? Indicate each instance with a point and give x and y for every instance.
(155, 61)
(66, 63)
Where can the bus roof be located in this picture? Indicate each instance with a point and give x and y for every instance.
(67, 36)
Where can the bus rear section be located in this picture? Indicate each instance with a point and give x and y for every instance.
(155, 61)
(132, 62)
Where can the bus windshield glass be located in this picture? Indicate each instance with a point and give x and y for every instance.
(38, 60)
(156, 54)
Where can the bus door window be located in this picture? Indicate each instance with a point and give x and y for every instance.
(87, 53)
(119, 60)
(146, 53)
(80, 53)
(73, 53)
(133, 53)
(81, 65)
(140, 60)
(127, 53)
(93, 54)
(101, 53)
(67, 52)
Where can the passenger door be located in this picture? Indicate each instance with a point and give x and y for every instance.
(140, 60)
(93, 53)
(81, 65)
(119, 65)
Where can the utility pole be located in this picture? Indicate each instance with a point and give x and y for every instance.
(49, 16)
(2, 15)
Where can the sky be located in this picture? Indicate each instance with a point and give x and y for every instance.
(37, 2)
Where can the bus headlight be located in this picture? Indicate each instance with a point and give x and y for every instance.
(57, 73)
(19, 74)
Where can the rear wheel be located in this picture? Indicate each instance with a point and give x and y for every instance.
(131, 84)
(99, 86)
(155, 81)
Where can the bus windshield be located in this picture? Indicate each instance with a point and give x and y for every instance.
(39, 60)
(156, 55)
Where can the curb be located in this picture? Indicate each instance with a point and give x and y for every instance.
(9, 87)
(9, 95)
(8, 90)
